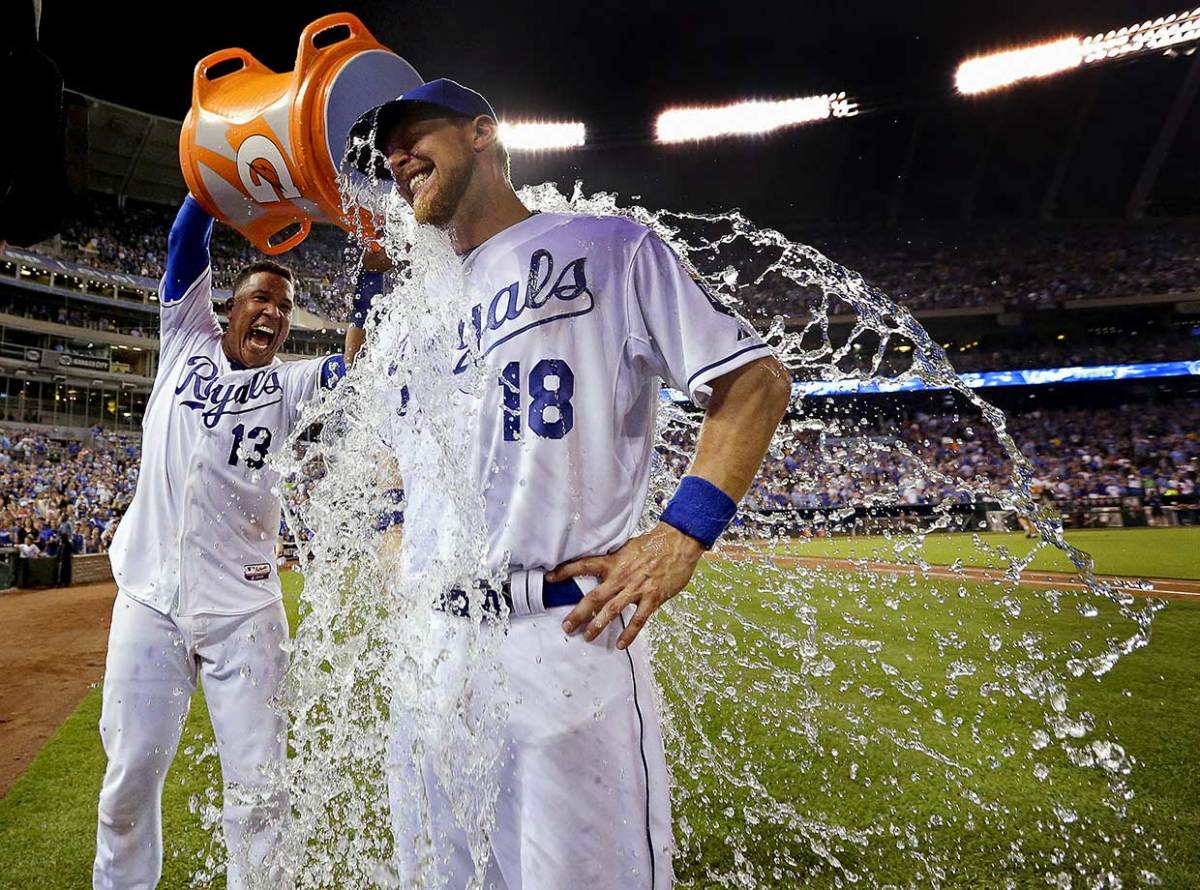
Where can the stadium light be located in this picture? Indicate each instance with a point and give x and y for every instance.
(983, 74)
(541, 136)
(748, 118)
(1149, 36)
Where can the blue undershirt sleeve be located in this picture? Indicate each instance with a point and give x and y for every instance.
(367, 286)
(187, 250)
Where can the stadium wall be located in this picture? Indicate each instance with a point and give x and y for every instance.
(91, 568)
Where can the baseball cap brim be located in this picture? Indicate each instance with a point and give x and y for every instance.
(437, 98)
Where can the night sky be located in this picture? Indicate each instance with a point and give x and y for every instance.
(614, 65)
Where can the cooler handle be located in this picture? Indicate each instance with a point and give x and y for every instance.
(308, 52)
(292, 241)
(203, 86)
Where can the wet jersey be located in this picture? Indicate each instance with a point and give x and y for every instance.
(199, 535)
(578, 321)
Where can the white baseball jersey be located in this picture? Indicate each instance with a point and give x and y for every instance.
(199, 536)
(579, 319)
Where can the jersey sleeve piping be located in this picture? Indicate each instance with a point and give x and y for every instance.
(727, 364)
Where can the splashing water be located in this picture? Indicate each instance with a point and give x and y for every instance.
(369, 695)
(827, 722)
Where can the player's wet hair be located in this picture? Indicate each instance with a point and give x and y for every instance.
(271, 266)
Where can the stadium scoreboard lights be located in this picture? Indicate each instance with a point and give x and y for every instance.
(996, 71)
(749, 118)
(542, 136)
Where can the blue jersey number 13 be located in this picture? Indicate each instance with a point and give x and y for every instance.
(551, 385)
(259, 437)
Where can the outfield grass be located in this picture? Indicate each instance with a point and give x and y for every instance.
(1147, 703)
(47, 821)
(1136, 552)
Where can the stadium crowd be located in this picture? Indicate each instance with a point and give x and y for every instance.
(908, 459)
(1005, 353)
(1074, 351)
(52, 488)
(1150, 452)
(1019, 266)
(133, 240)
(76, 318)
(50, 485)
(927, 267)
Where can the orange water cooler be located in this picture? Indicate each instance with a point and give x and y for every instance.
(261, 150)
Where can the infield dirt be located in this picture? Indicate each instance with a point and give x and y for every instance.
(52, 645)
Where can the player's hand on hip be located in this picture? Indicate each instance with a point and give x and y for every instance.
(647, 570)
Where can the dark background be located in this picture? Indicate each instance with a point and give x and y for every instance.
(615, 65)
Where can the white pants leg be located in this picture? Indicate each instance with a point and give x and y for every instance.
(152, 668)
(242, 662)
(149, 678)
(584, 795)
(587, 800)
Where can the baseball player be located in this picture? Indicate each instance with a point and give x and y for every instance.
(579, 320)
(198, 589)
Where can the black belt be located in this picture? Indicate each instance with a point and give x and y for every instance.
(554, 594)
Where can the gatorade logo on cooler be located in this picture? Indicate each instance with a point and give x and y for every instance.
(264, 172)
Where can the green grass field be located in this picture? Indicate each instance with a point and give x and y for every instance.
(1148, 702)
(1137, 552)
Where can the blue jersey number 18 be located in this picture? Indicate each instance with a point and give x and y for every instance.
(551, 385)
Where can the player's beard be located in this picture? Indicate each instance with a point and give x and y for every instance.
(439, 200)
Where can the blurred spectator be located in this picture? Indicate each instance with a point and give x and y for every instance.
(1019, 265)
(915, 458)
(56, 495)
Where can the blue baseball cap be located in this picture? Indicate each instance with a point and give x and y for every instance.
(441, 97)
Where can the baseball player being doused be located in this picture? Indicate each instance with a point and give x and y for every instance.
(579, 319)
(198, 597)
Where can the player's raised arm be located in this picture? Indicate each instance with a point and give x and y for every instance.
(367, 286)
(185, 293)
(704, 349)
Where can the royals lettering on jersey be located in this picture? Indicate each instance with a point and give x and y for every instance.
(199, 536)
(214, 400)
(514, 310)
(579, 320)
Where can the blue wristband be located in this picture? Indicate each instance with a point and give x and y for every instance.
(700, 510)
(366, 287)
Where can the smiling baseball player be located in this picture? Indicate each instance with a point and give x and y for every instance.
(198, 592)
(579, 320)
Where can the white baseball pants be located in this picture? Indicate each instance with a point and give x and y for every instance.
(154, 661)
(584, 798)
